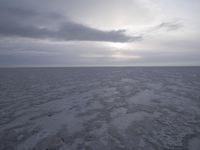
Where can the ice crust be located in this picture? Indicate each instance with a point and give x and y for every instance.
(123, 108)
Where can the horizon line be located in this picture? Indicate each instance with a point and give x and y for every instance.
(98, 66)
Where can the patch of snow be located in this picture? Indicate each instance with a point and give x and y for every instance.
(118, 112)
(194, 144)
(143, 97)
(125, 120)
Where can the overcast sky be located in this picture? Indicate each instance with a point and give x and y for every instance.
(99, 32)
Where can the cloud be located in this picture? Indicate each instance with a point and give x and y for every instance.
(164, 27)
(79, 32)
(168, 26)
(93, 21)
(69, 31)
(28, 23)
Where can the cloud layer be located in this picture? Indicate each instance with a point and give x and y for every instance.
(122, 32)
(20, 22)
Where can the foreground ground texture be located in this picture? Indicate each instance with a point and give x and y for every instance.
(119, 108)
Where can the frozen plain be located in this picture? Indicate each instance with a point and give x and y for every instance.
(103, 108)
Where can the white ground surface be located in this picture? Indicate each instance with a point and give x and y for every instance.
(100, 108)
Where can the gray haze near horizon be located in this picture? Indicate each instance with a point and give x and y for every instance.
(99, 33)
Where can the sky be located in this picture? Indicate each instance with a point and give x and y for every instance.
(99, 33)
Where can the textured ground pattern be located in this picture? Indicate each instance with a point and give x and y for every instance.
(113, 108)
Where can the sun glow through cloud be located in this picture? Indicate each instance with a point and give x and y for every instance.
(119, 45)
(122, 32)
(121, 56)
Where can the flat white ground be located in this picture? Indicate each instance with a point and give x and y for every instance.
(100, 108)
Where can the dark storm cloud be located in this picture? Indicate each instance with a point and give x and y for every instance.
(29, 23)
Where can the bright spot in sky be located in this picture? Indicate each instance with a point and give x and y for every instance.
(122, 56)
(119, 45)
